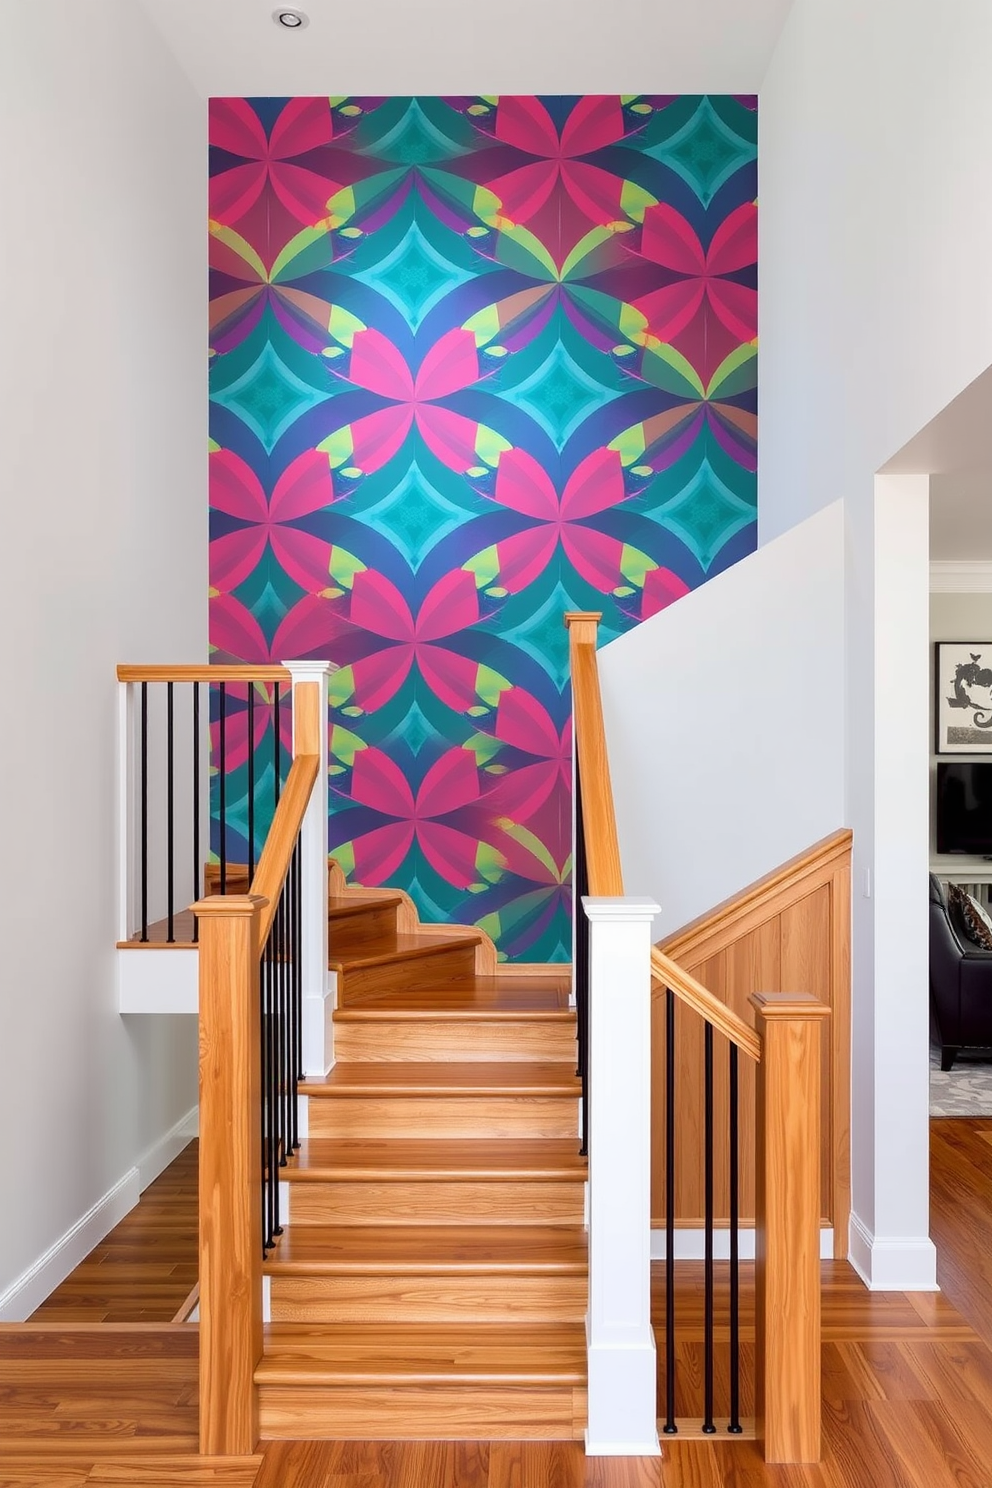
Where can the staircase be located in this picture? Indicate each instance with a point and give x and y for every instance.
(431, 1280)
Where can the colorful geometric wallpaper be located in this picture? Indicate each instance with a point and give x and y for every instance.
(475, 361)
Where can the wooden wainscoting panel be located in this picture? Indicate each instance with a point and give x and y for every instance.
(790, 932)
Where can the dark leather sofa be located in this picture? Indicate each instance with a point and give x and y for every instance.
(960, 982)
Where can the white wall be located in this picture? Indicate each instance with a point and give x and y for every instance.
(725, 724)
(875, 132)
(103, 476)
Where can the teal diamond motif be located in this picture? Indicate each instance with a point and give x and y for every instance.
(706, 514)
(705, 152)
(415, 516)
(544, 637)
(414, 277)
(269, 397)
(559, 396)
(415, 730)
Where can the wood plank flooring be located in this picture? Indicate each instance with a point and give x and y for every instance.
(907, 1379)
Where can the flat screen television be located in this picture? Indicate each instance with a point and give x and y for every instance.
(964, 807)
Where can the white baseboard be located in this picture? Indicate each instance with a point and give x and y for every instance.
(892, 1265)
(690, 1244)
(39, 1280)
(160, 1154)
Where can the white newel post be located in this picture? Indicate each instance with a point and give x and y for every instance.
(623, 1413)
(318, 1002)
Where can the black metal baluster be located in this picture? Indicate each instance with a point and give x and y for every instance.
(735, 1340)
(297, 872)
(580, 880)
(264, 1031)
(196, 804)
(170, 832)
(276, 746)
(283, 1042)
(222, 769)
(144, 810)
(273, 1086)
(708, 1426)
(669, 1428)
(251, 782)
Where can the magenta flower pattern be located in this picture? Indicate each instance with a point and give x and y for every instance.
(475, 361)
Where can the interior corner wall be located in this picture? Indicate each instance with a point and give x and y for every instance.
(725, 724)
(875, 133)
(103, 474)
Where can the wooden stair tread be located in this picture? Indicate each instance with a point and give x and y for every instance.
(442, 1078)
(400, 947)
(438, 1250)
(423, 1353)
(341, 906)
(385, 1159)
(485, 998)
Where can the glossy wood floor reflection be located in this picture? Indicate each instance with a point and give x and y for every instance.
(907, 1388)
(145, 1268)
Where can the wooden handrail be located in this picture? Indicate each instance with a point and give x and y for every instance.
(695, 995)
(277, 854)
(129, 673)
(598, 815)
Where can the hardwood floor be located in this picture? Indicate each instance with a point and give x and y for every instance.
(907, 1379)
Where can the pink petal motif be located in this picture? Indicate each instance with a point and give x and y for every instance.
(304, 124)
(305, 558)
(595, 556)
(452, 678)
(595, 192)
(522, 792)
(379, 367)
(377, 781)
(305, 486)
(661, 588)
(594, 486)
(450, 853)
(227, 260)
(380, 676)
(451, 364)
(736, 305)
(523, 558)
(235, 488)
(669, 240)
(669, 310)
(525, 123)
(525, 723)
(524, 486)
(595, 122)
(519, 858)
(235, 556)
(303, 193)
(377, 437)
(449, 436)
(451, 605)
(235, 127)
(523, 192)
(377, 605)
(309, 629)
(451, 783)
(378, 854)
(735, 242)
(236, 728)
(235, 192)
(235, 633)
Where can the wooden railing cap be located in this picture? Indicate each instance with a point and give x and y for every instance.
(229, 904)
(574, 617)
(792, 1005)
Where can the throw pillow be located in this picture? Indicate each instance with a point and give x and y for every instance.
(971, 916)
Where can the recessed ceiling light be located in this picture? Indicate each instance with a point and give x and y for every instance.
(292, 20)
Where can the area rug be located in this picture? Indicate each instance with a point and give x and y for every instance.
(965, 1090)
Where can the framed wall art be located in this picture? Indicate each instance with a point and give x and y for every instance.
(964, 697)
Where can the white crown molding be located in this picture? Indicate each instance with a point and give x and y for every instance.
(952, 576)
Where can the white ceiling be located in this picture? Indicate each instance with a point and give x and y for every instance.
(233, 47)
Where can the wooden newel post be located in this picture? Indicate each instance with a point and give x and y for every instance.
(787, 1240)
(230, 1173)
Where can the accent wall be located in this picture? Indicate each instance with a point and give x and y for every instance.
(475, 361)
